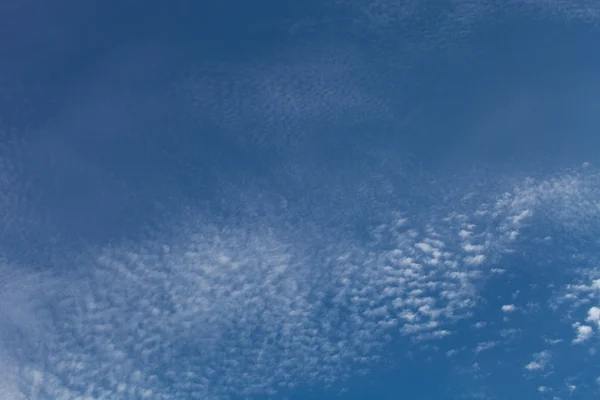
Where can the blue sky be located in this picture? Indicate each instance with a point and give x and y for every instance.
(288, 200)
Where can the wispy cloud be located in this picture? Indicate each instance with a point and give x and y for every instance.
(277, 101)
(485, 346)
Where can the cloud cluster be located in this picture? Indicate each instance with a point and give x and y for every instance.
(254, 308)
(218, 310)
(582, 298)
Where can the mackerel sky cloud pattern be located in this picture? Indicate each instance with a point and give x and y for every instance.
(315, 267)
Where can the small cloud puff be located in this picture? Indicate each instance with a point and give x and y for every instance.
(540, 361)
(508, 308)
(479, 325)
(594, 315)
(584, 332)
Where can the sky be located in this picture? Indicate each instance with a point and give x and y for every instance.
(299, 200)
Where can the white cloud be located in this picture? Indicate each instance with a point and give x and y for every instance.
(243, 279)
(225, 289)
(464, 234)
(9, 379)
(584, 332)
(485, 346)
(508, 308)
(451, 353)
(553, 341)
(533, 366)
(594, 315)
(471, 248)
(435, 335)
(221, 279)
(425, 247)
(509, 334)
(540, 361)
(475, 260)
